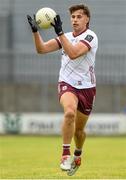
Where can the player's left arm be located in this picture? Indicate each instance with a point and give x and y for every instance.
(74, 51)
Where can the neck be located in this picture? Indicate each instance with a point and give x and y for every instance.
(77, 33)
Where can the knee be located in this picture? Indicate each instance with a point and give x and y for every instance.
(70, 116)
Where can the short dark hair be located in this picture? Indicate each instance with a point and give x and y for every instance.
(80, 6)
(83, 7)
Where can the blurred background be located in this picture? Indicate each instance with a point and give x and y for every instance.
(28, 81)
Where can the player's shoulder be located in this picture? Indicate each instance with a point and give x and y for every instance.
(89, 36)
(92, 33)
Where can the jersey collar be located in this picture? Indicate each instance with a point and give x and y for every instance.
(80, 33)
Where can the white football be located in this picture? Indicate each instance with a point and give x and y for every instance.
(44, 17)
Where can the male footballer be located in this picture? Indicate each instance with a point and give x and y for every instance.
(77, 83)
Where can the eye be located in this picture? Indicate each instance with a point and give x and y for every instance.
(79, 16)
(73, 16)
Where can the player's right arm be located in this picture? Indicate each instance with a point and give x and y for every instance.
(41, 46)
(44, 47)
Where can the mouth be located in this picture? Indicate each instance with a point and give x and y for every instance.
(75, 25)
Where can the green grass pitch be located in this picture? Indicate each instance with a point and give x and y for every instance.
(38, 157)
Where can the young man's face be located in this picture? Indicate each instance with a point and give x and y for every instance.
(79, 20)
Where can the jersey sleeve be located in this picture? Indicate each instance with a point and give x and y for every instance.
(90, 40)
(58, 42)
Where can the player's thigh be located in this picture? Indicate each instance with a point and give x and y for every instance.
(80, 121)
(69, 100)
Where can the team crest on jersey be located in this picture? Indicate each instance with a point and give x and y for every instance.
(64, 88)
(61, 88)
(89, 38)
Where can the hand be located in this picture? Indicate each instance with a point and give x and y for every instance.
(57, 25)
(32, 23)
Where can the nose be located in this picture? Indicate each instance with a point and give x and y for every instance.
(75, 19)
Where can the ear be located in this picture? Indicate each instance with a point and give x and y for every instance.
(87, 19)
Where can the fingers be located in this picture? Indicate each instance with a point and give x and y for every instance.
(34, 17)
(52, 24)
(57, 25)
(57, 20)
(58, 17)
(29, 17)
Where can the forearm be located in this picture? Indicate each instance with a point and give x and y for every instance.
(68, 47)
(66, 44)
(39, 43)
